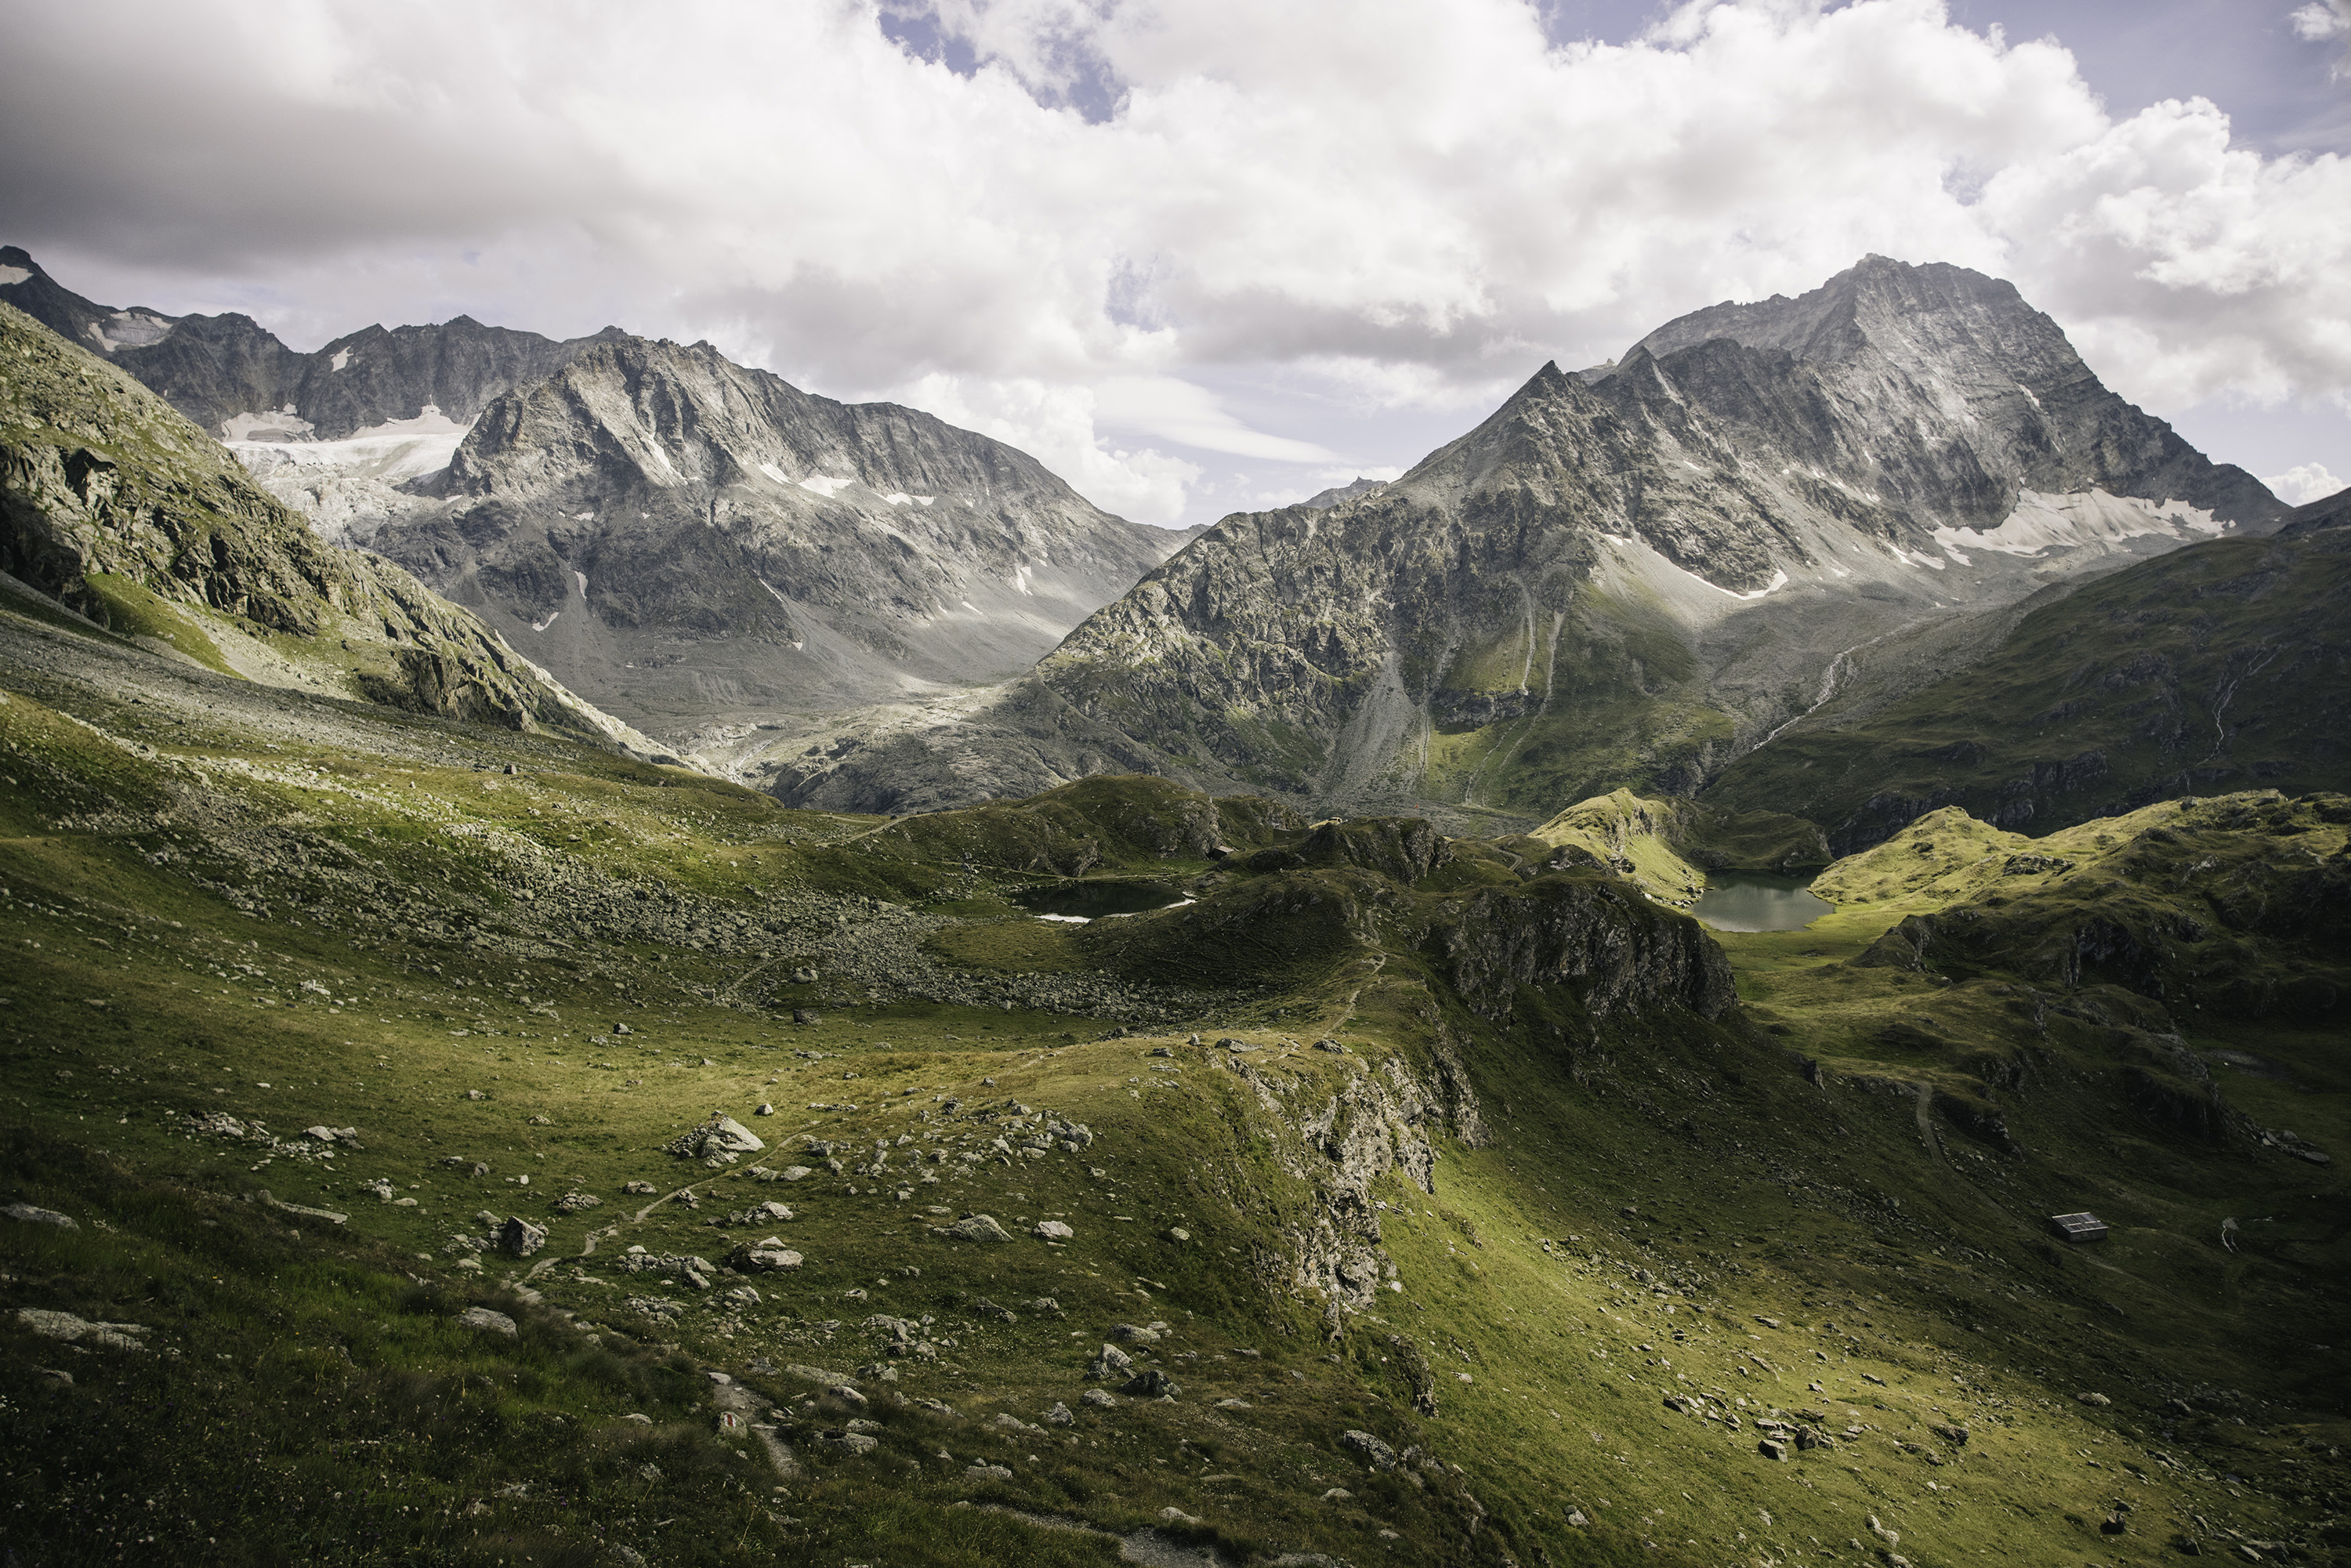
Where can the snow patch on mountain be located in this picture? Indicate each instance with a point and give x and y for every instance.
(271, 445)
(270, 424)
(2041, 522)
(129, 330)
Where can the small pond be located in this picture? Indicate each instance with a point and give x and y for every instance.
(1760, 903)
(1091, 900)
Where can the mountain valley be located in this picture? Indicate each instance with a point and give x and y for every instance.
(1250, 1091)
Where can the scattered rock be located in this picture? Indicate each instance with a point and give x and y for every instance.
(520, 1238)
(766, 1108)
(1371, 1450)
(1772, 1449)
(1052, 1231)
(1177, 1516)
(1061, 1416)
(762, 1259)
(622, 1029)
(1330, 1045)
(573, 1202)
(986, 1473)
(850, 1442)
(2093, 1399)
(804, 1015)
(1151, 1382)
(719, 1135)
(978, 1228)
(1132, 1334)
(1179, 1235)
(640, 1188)
(473, 1094)
(30, 1214)
(488, 1322)
(1098, 1397)
(1112, 1362)
(55, 1377)
(81, 1331)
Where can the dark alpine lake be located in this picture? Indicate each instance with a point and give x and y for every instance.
(1759, 903)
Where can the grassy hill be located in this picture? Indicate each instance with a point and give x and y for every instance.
(2221, 667)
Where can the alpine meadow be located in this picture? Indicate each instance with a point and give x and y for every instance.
(1740, 956)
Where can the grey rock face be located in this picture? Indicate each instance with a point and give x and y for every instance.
(1630, 576)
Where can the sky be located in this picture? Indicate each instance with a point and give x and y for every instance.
(1203, 256)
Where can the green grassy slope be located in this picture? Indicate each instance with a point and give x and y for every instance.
(1553, 1180)
(2220, 667)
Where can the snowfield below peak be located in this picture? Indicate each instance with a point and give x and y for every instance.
(2043, 522)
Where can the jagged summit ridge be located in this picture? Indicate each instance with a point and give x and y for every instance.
(236, 379)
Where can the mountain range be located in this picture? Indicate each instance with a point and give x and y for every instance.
(1673, 573)
(702, 547)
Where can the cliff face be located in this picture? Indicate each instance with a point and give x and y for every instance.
(1625, 577)
(115, 505)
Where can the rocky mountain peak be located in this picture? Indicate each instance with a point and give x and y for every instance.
(1624, 578)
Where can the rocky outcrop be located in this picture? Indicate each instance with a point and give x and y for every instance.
(109, 498)
(1623, 578)
(1599, 938)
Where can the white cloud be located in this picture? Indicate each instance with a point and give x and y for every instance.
(2302, 484)
(1411, 202)
(1057, 426)
(1178, 411)
(2325, 21)
(2321, 20)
